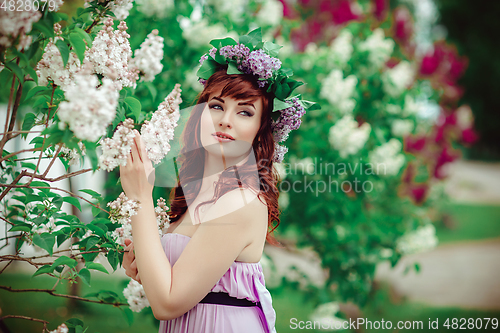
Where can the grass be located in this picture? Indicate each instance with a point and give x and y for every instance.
(470, 222)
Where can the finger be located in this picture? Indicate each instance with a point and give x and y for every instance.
(137, 141)
(134, 153)
(127, 242)
(138, 278)
(133, 265)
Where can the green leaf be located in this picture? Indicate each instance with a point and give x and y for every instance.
(24, 227)
(64, 50)
(44, 269)
(134, 105)
(44, 28)
(98, 231)
(14, 68)
(84, 274)
(129, 315)
(280, 105)
(78, 45)
(46, 241)
(417, 267)
(29, 70)
(96, 266)
(218, 43)
(74, 322)
(28, 122)
(272, 49)
(255, 36)
(73, 201)
(95, 211)
(64, 260)
(93, 193)
(84, 35)
(233, 69)
(207, 69)
(113, 259)
(91, 153)
(58, 202)
(91, 241)
(310, 106)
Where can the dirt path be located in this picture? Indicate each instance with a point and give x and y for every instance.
(461, 274)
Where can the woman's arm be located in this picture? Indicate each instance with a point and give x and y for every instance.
(216, 244)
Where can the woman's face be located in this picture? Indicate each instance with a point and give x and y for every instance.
(229, 126)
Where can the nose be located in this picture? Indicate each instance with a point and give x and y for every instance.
(225, 121)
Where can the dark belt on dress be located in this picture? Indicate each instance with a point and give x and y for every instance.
(224, 299)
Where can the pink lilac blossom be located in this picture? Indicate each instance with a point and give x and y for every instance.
(148, 58)
(110, 55)
(115, 150)
(87, 109)
(136, 296)
(51, 66)
(160, 130)
(17, 23)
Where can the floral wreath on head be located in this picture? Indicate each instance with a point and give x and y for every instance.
(250, 55)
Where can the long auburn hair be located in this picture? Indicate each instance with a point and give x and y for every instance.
(192, 155)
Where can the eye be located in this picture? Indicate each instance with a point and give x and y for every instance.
(246, 113)
(215, 106)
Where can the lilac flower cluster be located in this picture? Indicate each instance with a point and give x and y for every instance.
(261, 64)
(290, 119)
(237, 52)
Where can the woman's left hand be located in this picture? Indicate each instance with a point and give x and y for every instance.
(134, 176)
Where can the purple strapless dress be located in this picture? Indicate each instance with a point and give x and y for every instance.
(242, 280)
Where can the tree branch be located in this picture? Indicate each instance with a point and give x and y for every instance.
(53, 293)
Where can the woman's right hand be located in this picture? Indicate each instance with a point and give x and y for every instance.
(129, 261)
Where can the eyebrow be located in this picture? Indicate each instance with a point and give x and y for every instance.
(241, 103)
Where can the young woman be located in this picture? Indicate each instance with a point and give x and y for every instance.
(205, 274)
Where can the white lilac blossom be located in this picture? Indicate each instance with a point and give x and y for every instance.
(420, 240)
(121, 8)
(198, 33)
(148, 58)
(157, 8)
(235, 11)
(87, 109)
(347, 136)
(122, 209)
(51, 66)
(325, 314)
(397, 79)
(379, 48)
(72, 155)
(110, 55)
(157, 133)
(115, 150)
(136, 296)
(61, 329)
(387, 158)
(341, 48)
(17, 23)
(402, 127)
(162, 218)
(270, 13)
(338, 91)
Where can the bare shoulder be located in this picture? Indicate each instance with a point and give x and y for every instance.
(243, 203)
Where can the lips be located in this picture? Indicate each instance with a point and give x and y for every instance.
(223, 136)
